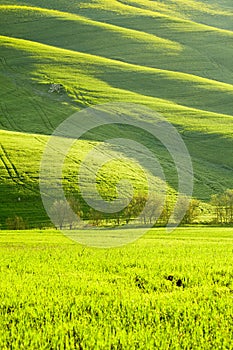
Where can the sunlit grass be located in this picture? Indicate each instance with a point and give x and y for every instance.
(56, 292)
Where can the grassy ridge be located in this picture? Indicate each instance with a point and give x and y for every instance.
(151, 86)
(175, 58)
(152, 38)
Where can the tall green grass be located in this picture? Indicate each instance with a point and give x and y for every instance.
(58, 294)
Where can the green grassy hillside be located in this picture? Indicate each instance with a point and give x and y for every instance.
(172, 56)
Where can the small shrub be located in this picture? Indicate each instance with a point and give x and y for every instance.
(15, 223)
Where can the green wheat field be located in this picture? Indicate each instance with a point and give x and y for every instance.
(166, 291)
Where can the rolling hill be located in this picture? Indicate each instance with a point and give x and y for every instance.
(174, 57)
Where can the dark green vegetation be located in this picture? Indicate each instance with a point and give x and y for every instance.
(223, 204)
(162, 292)
(172, 56)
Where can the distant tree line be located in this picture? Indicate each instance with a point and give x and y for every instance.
(156, 212)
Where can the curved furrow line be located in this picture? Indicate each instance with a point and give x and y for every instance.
(13, 173)
(7, 166)
(26, 92)
(36, 106)
(8, 118)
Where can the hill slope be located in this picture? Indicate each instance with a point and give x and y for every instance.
(172, 56)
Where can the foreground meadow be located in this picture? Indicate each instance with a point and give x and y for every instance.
(164, 291)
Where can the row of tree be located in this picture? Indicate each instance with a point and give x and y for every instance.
(140, 210)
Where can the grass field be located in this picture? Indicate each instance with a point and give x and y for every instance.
(56, 294)
(164, 290)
